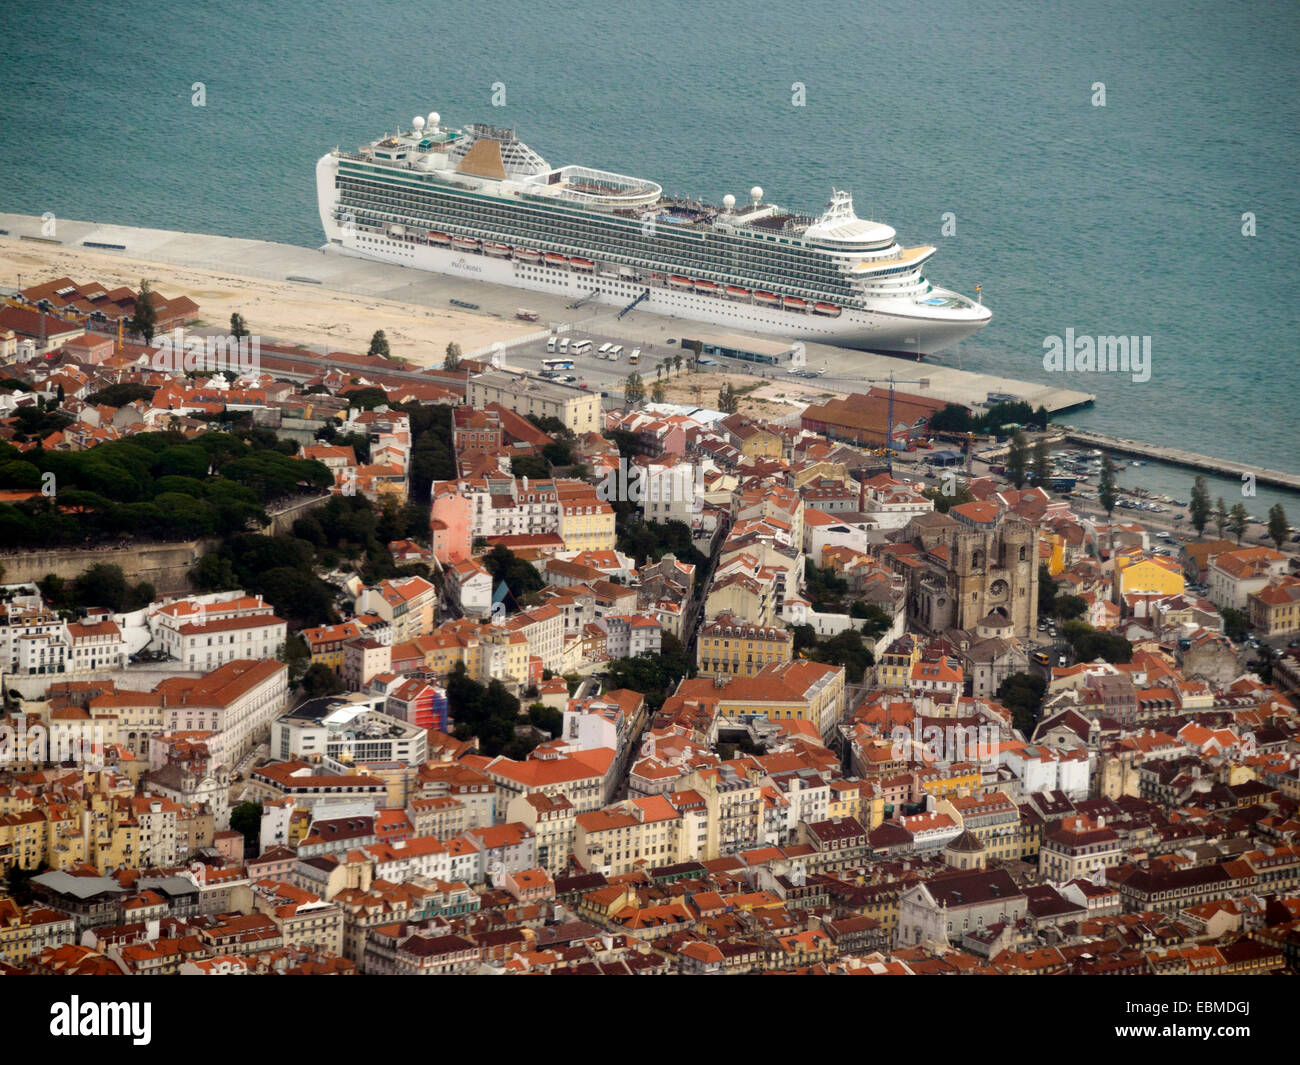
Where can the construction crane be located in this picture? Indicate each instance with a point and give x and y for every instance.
(889, 429)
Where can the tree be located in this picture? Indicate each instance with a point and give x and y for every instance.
(1220, 516)
(1042, 463)
(1236, 624)
(1106, 494)
(1277, 526)
(1238, 519)
(1022, 694)
(633, 390)
(1068, 607)
(320, 680)
(1017, 459)
(144, 319)
(1199, 508)
(728, 401)
(677, 362)
(520, 577)
(379, 345)
(954, 418)
(949, 493)
(451, 361)
(297, 656)
(658, 392)
(238, 328)
(247, 818)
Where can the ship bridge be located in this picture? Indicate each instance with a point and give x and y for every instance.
(839, 229)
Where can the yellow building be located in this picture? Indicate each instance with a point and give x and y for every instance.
(742, 596)
(578, 409)
(752, 440)
(1275, 609)
(957, 777)
(894, 667)
(789, 691)
(22, 840)
(1158, 575)
(488, 651)
(858, 799)
(326, 643)
(993, 819)
(1051, 551)
(586, 521)
(732, 647)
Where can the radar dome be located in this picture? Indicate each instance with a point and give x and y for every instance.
(756, 194)
(434, 119)
(728, 201)
(417, 123)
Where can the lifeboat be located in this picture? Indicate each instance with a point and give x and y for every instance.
(706, 286)
(528, 255)
(582, 264)
(555, 259)
(827, 309)
(769, 298)
(794, 303)
(677, 281)
(501, 251)
(738, 293)
(465, 243)
(438, 238)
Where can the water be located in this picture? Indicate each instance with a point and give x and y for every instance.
(1123, 219)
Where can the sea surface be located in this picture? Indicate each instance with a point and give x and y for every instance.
(1123, 219)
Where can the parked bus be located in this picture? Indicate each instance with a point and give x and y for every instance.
(563, 347)
(635, 357)
(581, 347)
(557, 364)
(550, 344)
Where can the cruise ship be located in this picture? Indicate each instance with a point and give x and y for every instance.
(479, 203)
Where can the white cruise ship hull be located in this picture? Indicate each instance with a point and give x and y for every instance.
(864, 330)
(907, 330)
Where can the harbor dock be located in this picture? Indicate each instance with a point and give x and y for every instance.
(1178, 457)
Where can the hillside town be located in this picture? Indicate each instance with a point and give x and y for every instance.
(316, 664)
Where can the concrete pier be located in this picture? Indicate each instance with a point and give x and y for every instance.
(1178, 457)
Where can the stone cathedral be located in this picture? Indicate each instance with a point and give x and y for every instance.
(969, 563)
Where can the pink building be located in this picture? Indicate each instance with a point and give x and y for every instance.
(449, 524)
(230, 844)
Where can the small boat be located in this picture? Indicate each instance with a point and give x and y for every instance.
(738, 293)
(438, 238)
(705, 286)
(501, 251)
(768, 298)
(556, 259)
(677, 281)
(582, 264)
(794, 303)
(528, 255)
(828, 309)
(465, 243)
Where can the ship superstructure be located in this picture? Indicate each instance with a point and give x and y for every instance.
(479, 203)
